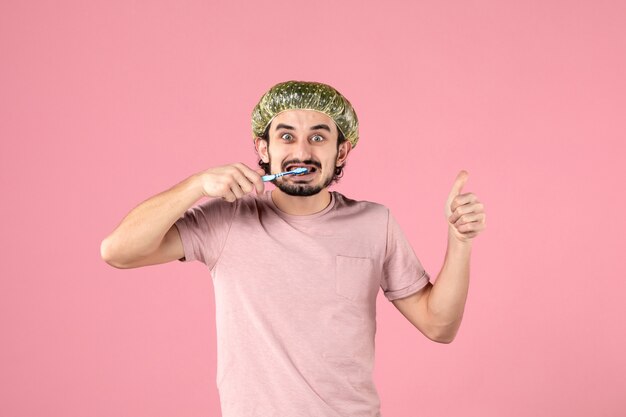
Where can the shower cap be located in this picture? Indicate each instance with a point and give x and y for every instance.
(306, 95)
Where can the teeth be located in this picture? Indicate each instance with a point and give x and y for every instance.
(309, 169)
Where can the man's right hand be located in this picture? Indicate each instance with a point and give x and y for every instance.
(231, 182)
(148, 236)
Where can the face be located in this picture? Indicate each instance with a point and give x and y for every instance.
(303, 138)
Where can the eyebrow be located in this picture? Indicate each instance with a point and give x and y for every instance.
(316, 127)
(322, 126)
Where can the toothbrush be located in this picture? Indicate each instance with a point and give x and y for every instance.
(296, 171)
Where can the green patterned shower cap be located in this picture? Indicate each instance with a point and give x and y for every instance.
(305, 95)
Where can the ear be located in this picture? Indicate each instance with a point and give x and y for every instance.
(342, 153)
(260, 145)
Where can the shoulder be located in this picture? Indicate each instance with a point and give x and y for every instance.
(361, 207)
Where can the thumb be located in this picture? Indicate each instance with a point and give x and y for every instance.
(459, 182)
(260, 185)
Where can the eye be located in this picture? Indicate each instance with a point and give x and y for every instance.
(317, 138)
(286, 136)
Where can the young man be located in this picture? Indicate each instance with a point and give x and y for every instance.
(296, 270)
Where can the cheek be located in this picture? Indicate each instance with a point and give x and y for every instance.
(275, 163)
(332, 161)
(273, 155)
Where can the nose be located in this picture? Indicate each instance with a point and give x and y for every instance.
(302, 150)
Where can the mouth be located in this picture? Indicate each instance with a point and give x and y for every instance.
(311, 168)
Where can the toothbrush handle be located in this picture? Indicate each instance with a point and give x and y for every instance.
(274, 176)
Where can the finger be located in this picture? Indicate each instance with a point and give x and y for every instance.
(473, 227)
(462, 199)
(229, 196)
(236, 189)
(474, 207)
(245, 185)
(234, 176)
(468, 218)
(239, 176)
(459, 182)
(253, 177)
(465, 209)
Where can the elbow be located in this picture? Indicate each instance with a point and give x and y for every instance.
(108, 255)
(444, 334)
(443, 339)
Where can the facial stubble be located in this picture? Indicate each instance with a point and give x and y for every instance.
(300, 189)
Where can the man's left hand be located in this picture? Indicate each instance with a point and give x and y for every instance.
(465, 214)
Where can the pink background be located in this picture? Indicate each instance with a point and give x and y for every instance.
(106, 103)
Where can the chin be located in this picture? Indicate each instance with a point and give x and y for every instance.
(299, 190)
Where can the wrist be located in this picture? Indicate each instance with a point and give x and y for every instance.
(456, 241)
(195, 185)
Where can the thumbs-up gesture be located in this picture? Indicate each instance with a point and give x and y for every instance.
(465, 214)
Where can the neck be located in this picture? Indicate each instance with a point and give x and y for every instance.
(301, 206)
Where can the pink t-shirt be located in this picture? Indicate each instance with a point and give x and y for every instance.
(295, 301)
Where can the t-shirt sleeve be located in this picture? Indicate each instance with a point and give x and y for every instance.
(203, 230)
(403, 273)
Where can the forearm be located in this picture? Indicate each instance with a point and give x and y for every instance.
(446, 301)
(140, 233)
